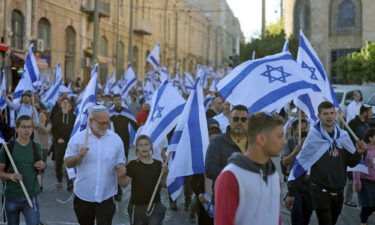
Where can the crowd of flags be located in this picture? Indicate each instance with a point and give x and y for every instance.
(266, 84)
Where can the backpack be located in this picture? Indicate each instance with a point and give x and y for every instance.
(11, 145)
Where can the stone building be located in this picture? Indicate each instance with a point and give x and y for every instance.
(62, 31)
(334, 27)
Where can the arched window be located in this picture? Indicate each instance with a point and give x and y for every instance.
(70, 50)
(346, 14)
(302, 17)
(103, 66)
(18, 29)
(44, 33)
(120, 59)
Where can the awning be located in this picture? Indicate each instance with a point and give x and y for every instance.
(104, 59)
(42, 63)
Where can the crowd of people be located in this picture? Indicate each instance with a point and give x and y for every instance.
(240, 185)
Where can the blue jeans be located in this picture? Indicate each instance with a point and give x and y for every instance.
(15, 205)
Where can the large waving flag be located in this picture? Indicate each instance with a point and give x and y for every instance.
(111, 80)
(24, 84)
(265, 84)
(129, 81)
(154, 57)
(148, 91)
(88, 101)
(51, 95)
(166, 107)
(3, 102)
(31, 68)
(189, 81)
(189, 143)
(314, 73)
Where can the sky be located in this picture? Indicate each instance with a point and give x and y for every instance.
(249, 13)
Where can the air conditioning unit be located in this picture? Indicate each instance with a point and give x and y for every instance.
(39, 45)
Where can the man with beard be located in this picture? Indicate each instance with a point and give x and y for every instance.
(222, 147)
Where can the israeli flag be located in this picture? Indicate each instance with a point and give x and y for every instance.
(189, 143)
(31, 69)
(164, 74)
(111, 80)
(154, 57)
(208, 101)
(166, 107)
(286, 46)
(24, 84)
(317, 142)
(3, 102)
(265, 84)
(129, 81)
(189, 81)
(148, 91)
(51, 95)
(2, 140)
(314, 73)
(125, 112)
(361, 167)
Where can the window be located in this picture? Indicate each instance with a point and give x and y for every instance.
(346, 14)
(44, 33)
(18, 29)
(103, 46)
(70, 49)
(336, 54)
(120, 60)
(103, 66)
(135, 59)
(302, 15)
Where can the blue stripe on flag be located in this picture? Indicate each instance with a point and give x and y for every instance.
(273, 96)
(30, 68)
(227, 90)
(313, 58)
(176, 185)
(305, 98)
(129, 86)
(195, 137)
(53, 93)
(298, 170)
(154, 60)
(166, 121)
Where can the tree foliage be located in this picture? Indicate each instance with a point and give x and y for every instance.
(357, 67)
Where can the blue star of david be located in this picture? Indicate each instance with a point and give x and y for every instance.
(312, 70)
(273, 78)
(157, 111)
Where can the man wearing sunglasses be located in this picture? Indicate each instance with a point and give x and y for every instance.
(100, 167)
(222, 147)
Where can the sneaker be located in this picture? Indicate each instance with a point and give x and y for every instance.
(59, 184)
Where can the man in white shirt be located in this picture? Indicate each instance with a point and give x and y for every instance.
(100, 167)
(354, 106)
(224, 117)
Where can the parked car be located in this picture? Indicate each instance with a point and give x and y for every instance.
(371, 101)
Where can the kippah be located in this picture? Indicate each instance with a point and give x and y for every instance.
(99, 108)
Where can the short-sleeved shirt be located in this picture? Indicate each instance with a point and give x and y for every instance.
(23, 157)
(144, 178)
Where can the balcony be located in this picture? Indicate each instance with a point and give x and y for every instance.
(88, 6)
(142, 26)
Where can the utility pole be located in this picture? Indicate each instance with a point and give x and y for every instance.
(95, 43)
(263, 17)
(216, 48)
(175, 42)
(281, 10)
(208, 41)
(117, 44)
(130, 49)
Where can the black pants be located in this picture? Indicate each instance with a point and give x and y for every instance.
(137, 214)
(302, 207)
(327, 206)
(59, 159)
(366, 213)
(88, 212)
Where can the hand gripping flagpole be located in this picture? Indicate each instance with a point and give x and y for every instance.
(149, 211)
(16, 171)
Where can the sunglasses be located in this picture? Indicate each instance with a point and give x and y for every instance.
(237, 119)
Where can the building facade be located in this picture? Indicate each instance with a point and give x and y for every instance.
(334, 27)
(62, 32)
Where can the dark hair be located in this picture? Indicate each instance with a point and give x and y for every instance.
(116, 95)
(46, 114)
(364, 109)
(261, 122)
(369, 133)
(214, 130)
(295, 123)
(325, 105)
(239, 108)
(143, 137)
(22, 118)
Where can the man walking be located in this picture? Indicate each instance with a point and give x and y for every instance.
(27, 156)
(100, 167)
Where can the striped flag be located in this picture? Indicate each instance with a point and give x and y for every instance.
(31, 69)
(3, 102)
(189, 143)
(129, 81)
(154, 57)
(51, 95)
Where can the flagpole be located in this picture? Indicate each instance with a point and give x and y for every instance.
(148, 213)
(16, 171)
(347, 127)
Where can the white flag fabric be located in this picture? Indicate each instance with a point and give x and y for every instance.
(51, 95)
(154, 57)
(314, 73)
(189, 81)
(129, 81)
(24, 84)
(189, 143)
(3, 102)
(265, 84)
(111, 80)
(164, 74)
(166, 107)
(148, 91)
(286, 46)
(31, 69)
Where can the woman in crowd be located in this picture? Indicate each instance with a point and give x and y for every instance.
(364, 183)
(143, 174)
